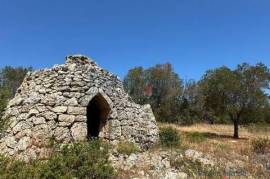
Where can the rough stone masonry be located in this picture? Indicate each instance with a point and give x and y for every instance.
(73, 102)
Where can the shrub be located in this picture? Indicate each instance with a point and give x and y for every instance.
(127, 148)
(261, 145)
(13, 169)
(195, 137)
(196, 168)
(89, 160)
(169, 137)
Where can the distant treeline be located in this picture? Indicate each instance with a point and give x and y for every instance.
(10, 80)
(222, 95)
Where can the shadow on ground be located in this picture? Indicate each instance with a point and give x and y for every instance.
(210, 135)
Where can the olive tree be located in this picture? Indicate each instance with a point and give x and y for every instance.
(236, 93)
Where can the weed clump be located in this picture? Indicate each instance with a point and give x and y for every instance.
(169, 137)
(127, 148)
(196, 168)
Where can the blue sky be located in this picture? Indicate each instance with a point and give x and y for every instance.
(193, 35)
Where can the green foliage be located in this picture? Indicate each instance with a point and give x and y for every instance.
(5, 95)
(169, 137)
(159, 86)
(89, 160)
(261, 145)
(195, 137)
(168, 111)
(223, 95)
(10, 79)
(14, 169)
(134, 83)
(191, 108)
(127, 148)
(195, 168)
(237, 93)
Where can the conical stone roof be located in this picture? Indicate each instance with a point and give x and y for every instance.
(69, 103)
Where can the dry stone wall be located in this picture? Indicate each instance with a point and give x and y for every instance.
(53, 104)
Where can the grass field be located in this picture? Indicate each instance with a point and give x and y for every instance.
(217, 142)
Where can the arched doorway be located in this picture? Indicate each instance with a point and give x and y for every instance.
(97, 113)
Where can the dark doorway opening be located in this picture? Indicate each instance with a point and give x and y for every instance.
(97, 113)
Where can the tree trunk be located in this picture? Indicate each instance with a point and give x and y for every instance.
(235, 123)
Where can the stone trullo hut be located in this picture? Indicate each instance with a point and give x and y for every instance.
(73, 102)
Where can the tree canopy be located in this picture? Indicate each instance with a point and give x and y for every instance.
(159, 86)
(223, 95)
(236, 93)
(10, 80)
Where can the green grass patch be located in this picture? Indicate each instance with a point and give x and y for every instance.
(196, 137)
(169, 137)
(127, 148)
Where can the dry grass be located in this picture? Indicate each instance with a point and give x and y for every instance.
(219, 129)
(217, 141)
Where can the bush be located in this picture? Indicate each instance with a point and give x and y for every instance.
(127, 148)
(261, 145)
(169, 137)
(89, 160)
(195, 137)
(196, 168)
